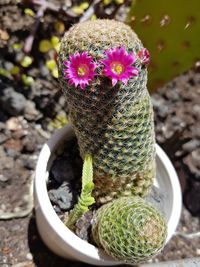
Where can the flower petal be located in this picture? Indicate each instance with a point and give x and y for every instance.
(80, 69)
(118, 65)
(114, 81)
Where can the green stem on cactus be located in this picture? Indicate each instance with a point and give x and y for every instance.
(85, 200)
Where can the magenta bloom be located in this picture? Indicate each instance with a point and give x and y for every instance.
(144, 56)
(80, 69)
(118, 65)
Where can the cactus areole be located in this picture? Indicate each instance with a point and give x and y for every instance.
(103, 74)
(102, 69)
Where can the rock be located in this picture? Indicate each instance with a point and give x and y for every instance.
(8, 65)
(192, 198)
(44, 71)
(62, 101)
(62, 170)
(29, 162)
(13, 124)
(172, 95)
(15, 228)
(19, 56)
(3, 178)
(3, 138)
(196, 131)
(2, 126)
(196, 110)
(163, 112)
(62, 196)
(83, 225)
(29, 256)
(7, 163)
(12, 147)
(16, 127)
(12, 102)
(30, 112)
(178, 122)
(29, 144)
(192, 162)
(191, 145)
(157, 102)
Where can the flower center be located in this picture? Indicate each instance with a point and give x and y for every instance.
(117, 68)
(82, 70)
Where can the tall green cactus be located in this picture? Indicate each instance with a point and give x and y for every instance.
(114, 124)
(170, 31)
(129, 229)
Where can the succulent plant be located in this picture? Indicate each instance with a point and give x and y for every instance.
(169, 31)
(129, 229)
(85, 200)
(111, 113)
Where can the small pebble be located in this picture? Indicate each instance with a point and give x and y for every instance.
(16, 227)
(3, 207)
(3, 138)
(29, 144)
(13, 124)
(3, 178)
(62, 170)
(8, 65)
(30, 112)
(28, 162)
(29, 256)
(63, 196)
(12, 102)
(191, 145)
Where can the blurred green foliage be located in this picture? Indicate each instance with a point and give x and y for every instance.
(59, 121)
(171, 32)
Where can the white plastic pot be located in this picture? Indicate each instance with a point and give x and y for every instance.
(63, 241)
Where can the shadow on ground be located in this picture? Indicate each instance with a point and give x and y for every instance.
(42, 256)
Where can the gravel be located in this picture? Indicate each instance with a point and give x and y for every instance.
(13, 103)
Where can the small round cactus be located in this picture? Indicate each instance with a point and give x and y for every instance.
(129, 229)
(102, 69)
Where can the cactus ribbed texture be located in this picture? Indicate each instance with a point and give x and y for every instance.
(129, 229)
(113, 124)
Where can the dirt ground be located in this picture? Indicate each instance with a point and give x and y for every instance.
(29, 114)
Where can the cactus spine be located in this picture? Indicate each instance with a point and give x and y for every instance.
(114, 124)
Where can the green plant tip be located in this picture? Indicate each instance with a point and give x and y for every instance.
(84, 5)
(15, 70)
(44, 46)
(119, 2)
(29, 12)
(78, 10)
(51, 64)
(26, 61)
(27, 80)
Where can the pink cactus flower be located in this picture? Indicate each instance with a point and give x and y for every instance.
(80, 69)
(118, 65)
(144, 56)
